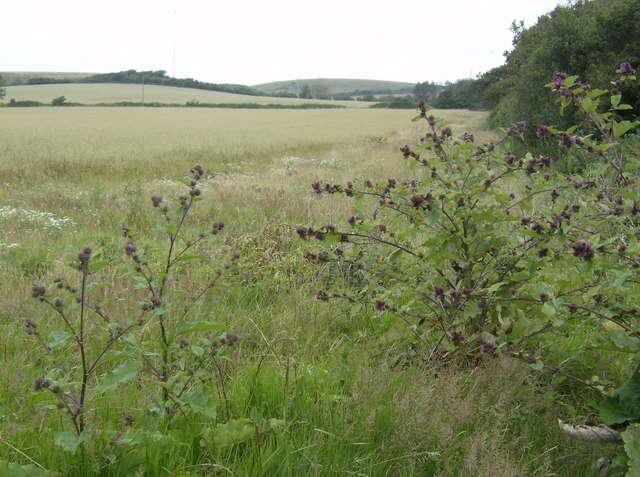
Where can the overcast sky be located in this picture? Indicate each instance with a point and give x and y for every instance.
(249, 42)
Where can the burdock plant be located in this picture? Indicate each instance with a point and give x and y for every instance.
(179, 352)
(83, 326)
(182, 352)
(487, 248)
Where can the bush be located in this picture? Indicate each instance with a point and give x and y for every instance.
(585, 37)
(485, 251)
(59, 101)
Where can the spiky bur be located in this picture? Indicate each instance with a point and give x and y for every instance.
(488, 248)
(186, 355)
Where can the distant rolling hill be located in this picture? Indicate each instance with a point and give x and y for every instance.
(93, 93)
(332, 86)
(22, 77)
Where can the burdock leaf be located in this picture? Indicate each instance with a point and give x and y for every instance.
(121, 374)
(68, 441)
(202, 401)
(624, 405)
(58, 338)
(233, 432)
(19, 470)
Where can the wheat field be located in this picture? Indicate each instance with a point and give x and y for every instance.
(92, 93)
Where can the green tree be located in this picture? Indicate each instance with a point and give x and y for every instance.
(305, 92)
(586, 38)
(426, 91)
(3, 92)
(59, 101)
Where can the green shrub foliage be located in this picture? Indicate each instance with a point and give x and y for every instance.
(484, 250)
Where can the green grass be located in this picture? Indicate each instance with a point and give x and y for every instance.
(348, 407)
(93, 93)
(333, 85)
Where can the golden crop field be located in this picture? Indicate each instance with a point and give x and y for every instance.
(112, 92)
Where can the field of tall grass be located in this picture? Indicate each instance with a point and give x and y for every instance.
(113, 93)
(346, 404)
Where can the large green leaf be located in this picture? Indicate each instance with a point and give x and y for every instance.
(121, 374)
(58, 338)
(10, 469)
(233, 432)
(624, 405)
(202, 401)
(68, 441)
(622, 127)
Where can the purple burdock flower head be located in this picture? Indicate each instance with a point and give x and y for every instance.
(626, 69)
(558, 79)
(217, 228)
(635, 208)
(457, 337)
(406, 151)
(41, 383)
(322, 295)
(156, 200)
(583, 250)
(38, 291)
(467, 137)
(542, 131)
(85, 255)
(446, 132)
(567, 140)
(380, 305)
(439, 292)
(537, 226)
(521, 126)
(130, 248)
(198, 171)
(544, 161)
(417, 200)
(302, 232)
(354, 219)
